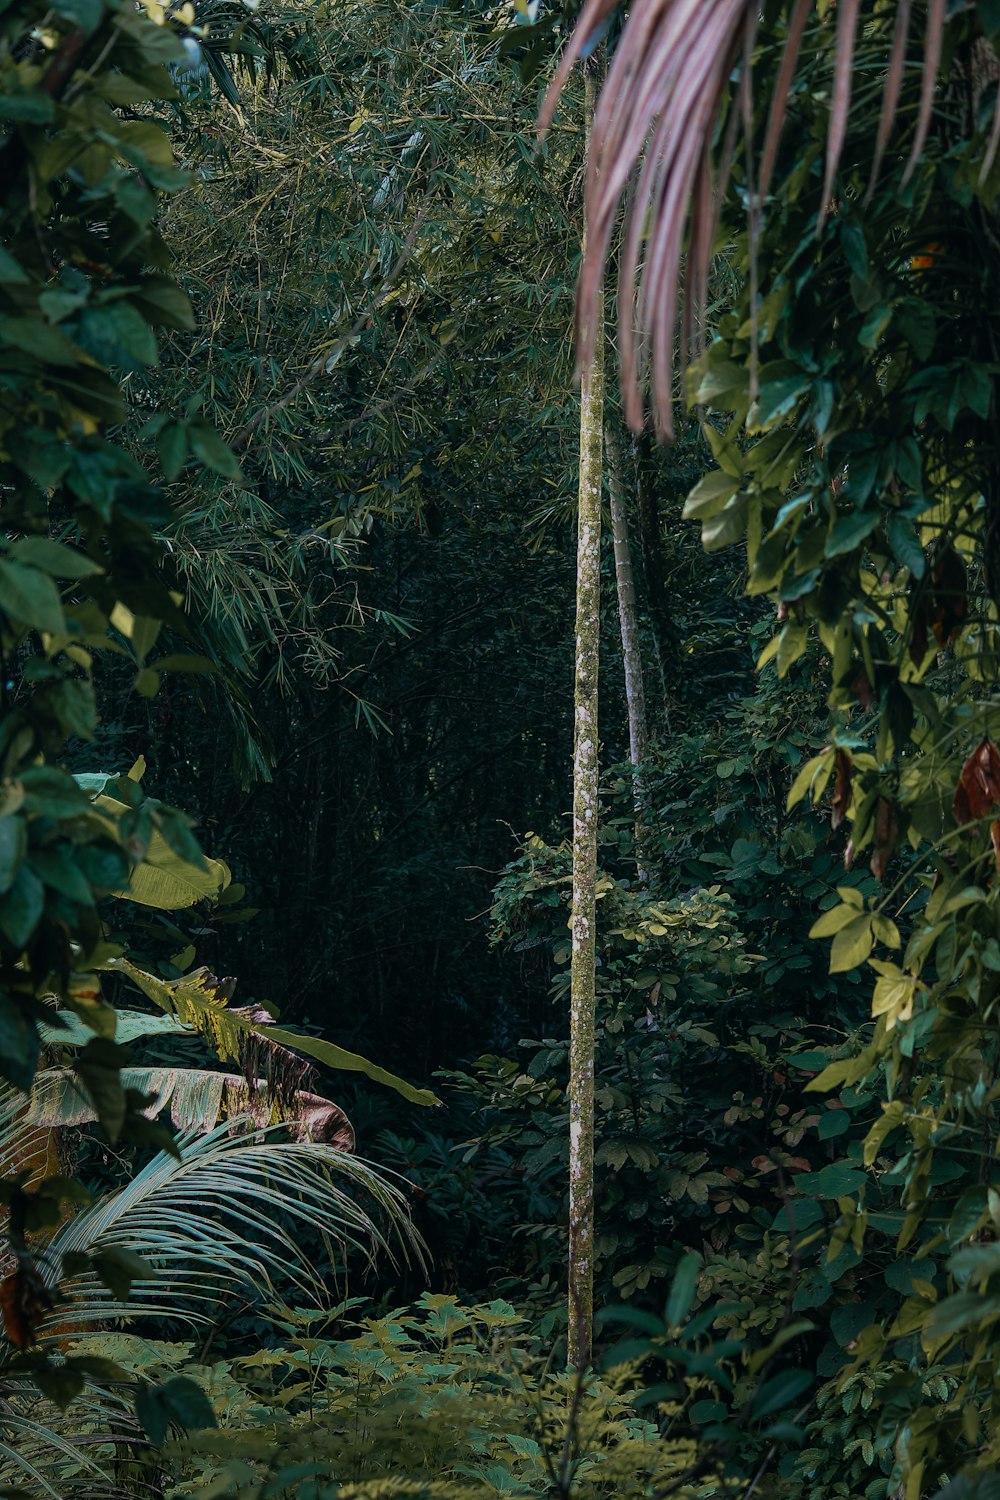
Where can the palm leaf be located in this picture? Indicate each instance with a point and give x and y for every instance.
(246, 1035)
(49, 1448)
(668, 87)
(228, 1214)
(197, 1099)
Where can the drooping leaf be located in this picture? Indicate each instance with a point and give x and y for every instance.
(166, 879)
(196, 1098)
(682, 1289)
(978, 789)
(886, 833)
(202, 1001)
(842, 789)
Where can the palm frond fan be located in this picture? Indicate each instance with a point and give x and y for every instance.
(669, 121)
(228, 1213)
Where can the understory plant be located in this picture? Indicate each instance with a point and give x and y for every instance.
(440, 1399)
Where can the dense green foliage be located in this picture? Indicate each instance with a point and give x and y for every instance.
(288, 448)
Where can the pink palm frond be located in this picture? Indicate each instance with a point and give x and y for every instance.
(655, 127)
(890, 94)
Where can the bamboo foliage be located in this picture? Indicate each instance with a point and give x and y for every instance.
(658, 121)
(359, 271)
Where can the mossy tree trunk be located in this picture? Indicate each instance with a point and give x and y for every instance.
(653, 566)
(585, 811)
(628, 620)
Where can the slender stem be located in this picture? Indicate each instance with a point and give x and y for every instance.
(585, 814)
(628, 620)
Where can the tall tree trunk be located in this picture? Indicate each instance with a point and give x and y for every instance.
(628, 620)
(654, 570)
(585, 809)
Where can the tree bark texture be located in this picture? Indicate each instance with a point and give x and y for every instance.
(628, 620)
(585, 810)
(654, 570)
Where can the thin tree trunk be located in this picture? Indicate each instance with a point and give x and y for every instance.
(585, 810)
(654, 570)
(628, 620)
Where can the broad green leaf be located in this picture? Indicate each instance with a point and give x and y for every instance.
(165, 879)
(71, 1031)
(29, 597)
(893, 997)
(98, 1068)
(905, 544)
(21, 907)
(207, 445)
(850, 530)
(682, 1289)
(172, 448)
(968, 1214)
(117, 1268)
(727, 527)
(806, 776)
(833, 921)
(198, 1002)
(841, 1179)
(793, 1330)
(965, 1310)
(54, 558)
(781, 1391)
(13, 844)
(11, 274)
(117, 335)
(339, 1058)
(833, 1123)
(780, 393)
(852, 945)
(39, 339)
(710, 495)
(893, 1115)
(169, 883)
(20, 1046)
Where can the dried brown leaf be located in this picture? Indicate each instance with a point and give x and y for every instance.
(842, 790)
(667, 90)
(24, 1302)
(782, 89)
(886, 833)
(950, 596)
(978, 787)
(890, 94)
